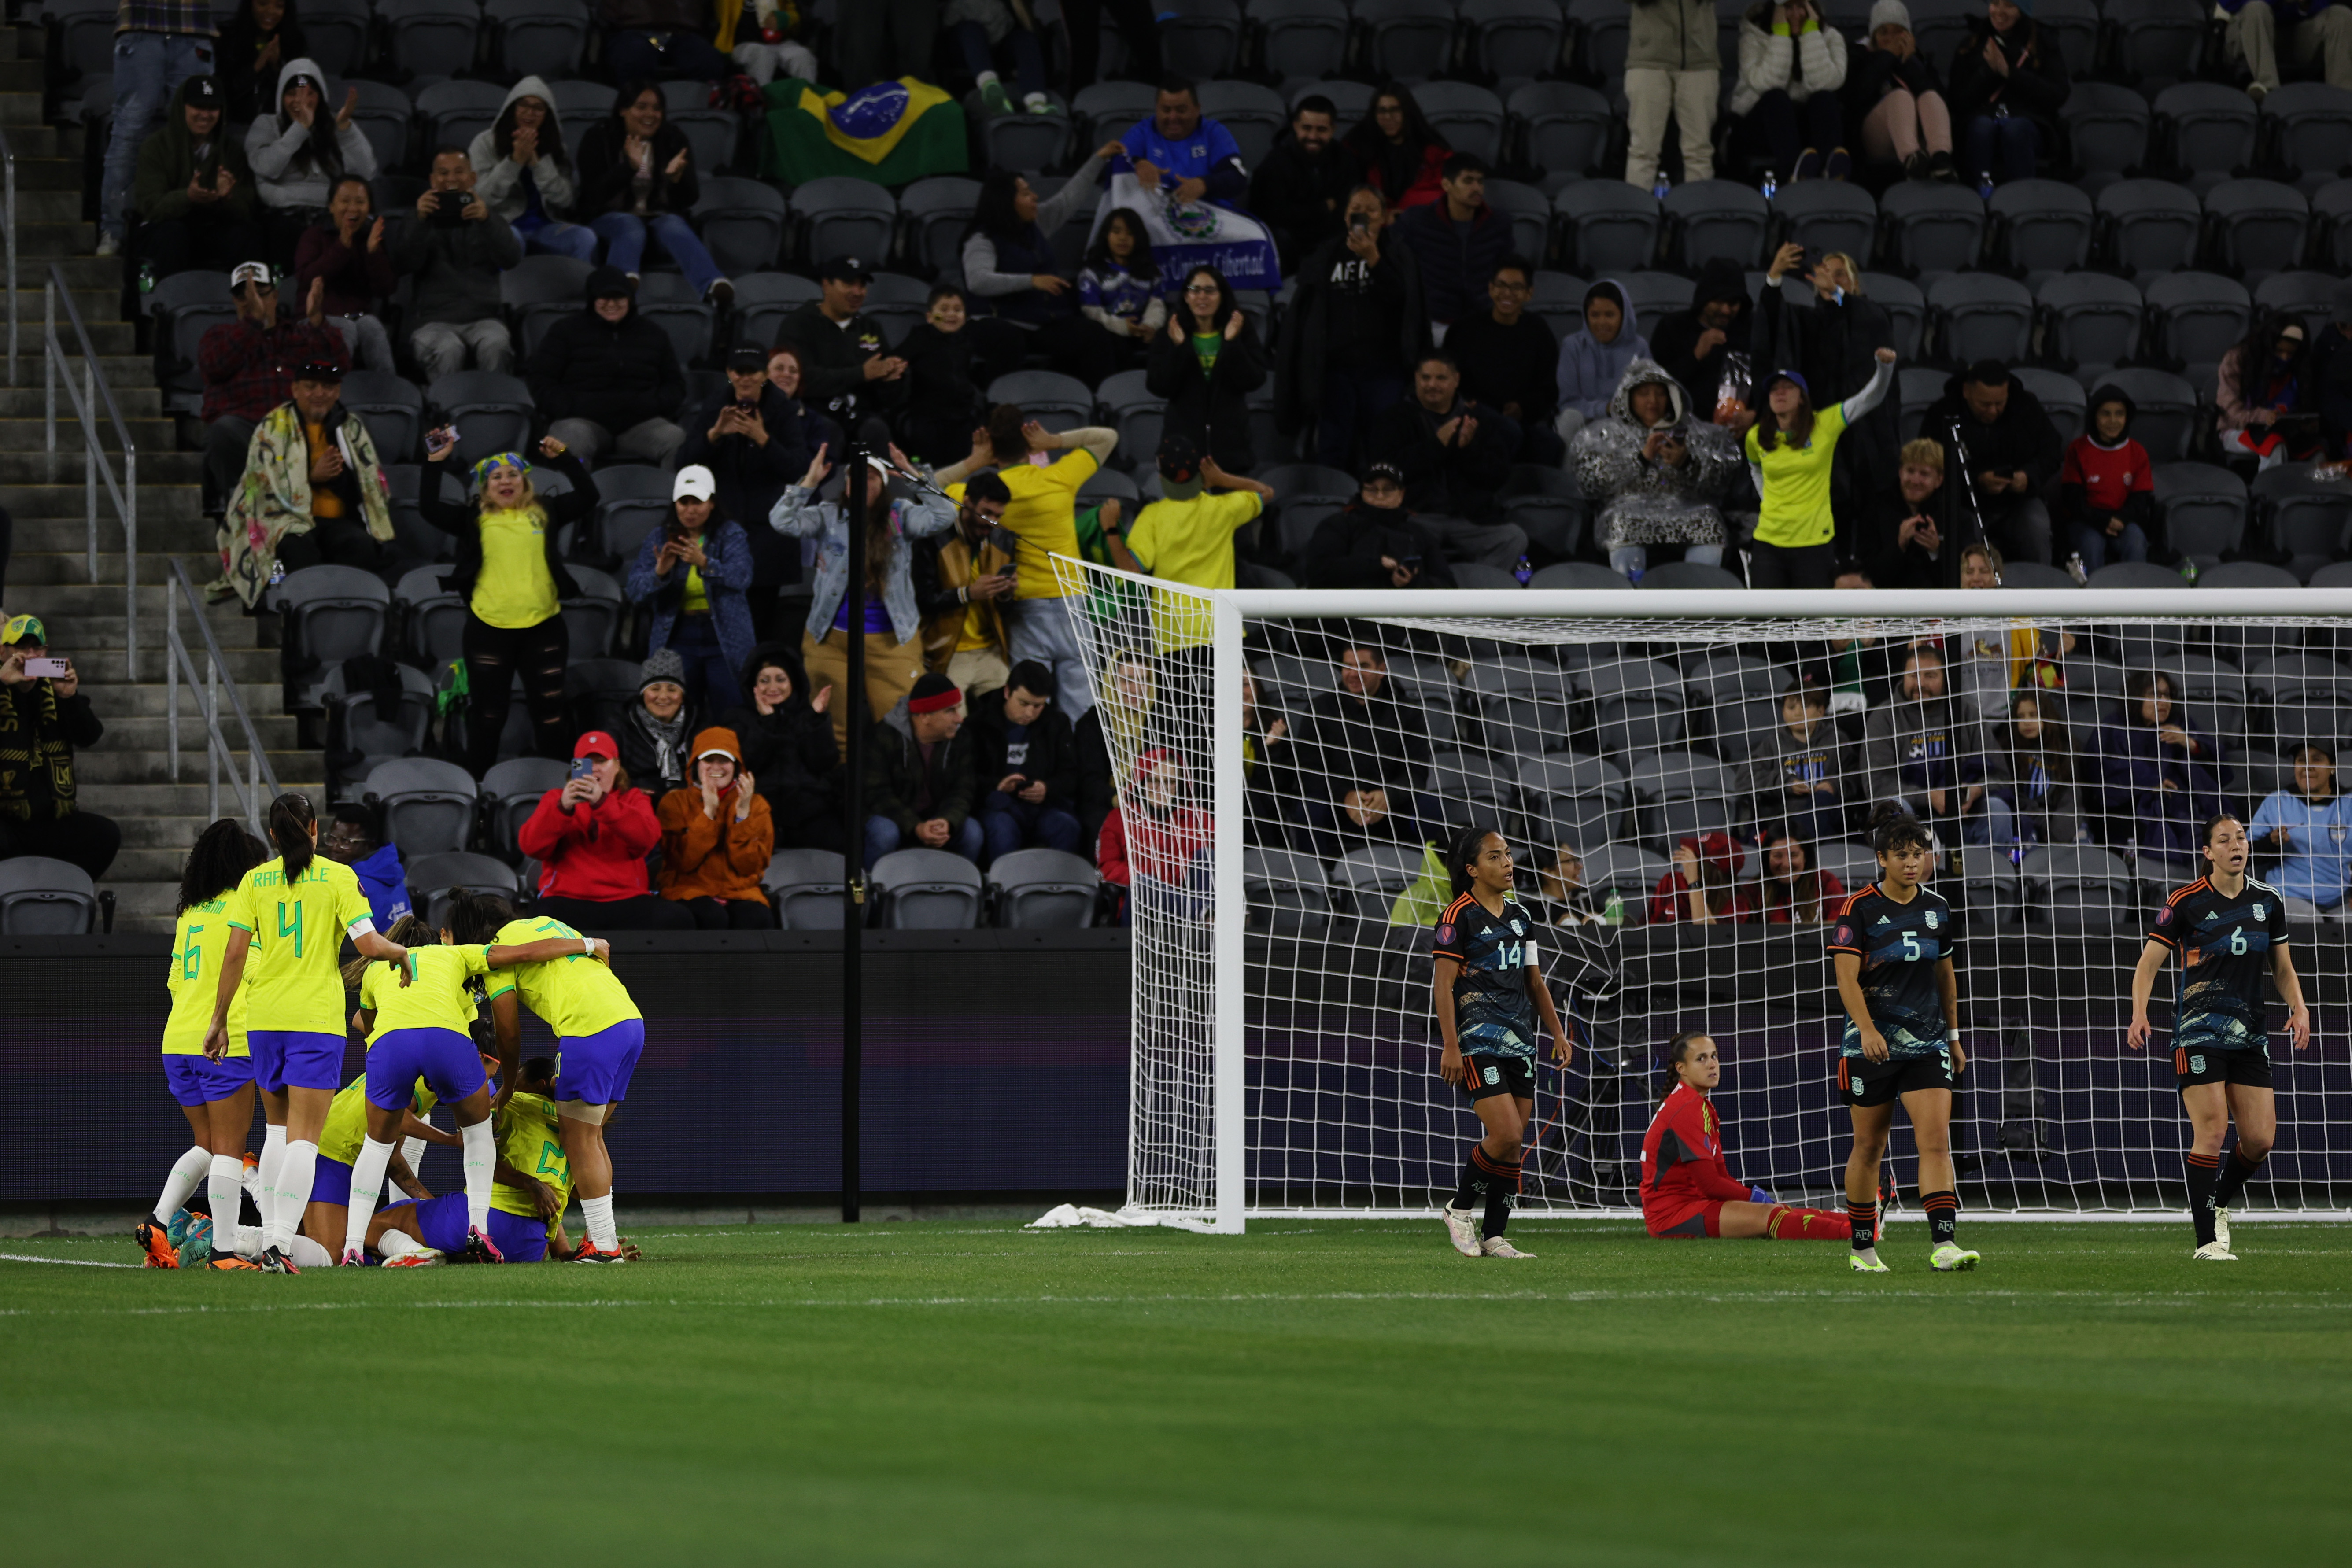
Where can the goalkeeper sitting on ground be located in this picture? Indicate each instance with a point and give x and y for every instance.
(1686, 1188)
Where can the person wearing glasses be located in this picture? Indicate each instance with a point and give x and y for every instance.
(1508, 356)
(248, 367)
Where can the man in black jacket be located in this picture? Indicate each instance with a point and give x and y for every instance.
(1458, 239)
(919, 780)
(1366, 752)
(1510, 359)
(1301, 188)
(1904, 531)
(843, 368)
(1693, 345)
(1026, 763)
(452, 264)
(1454, 458)
(1351, 333)
(42, 719)
(1374, 542)
(2012, 453)
(736, 438)
(609, 379)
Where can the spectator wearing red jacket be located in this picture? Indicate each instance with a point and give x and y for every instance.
(1702, 887)
(1686, 1188)
(1154, 844)
(591, 838)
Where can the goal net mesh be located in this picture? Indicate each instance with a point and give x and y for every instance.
(1686, 800)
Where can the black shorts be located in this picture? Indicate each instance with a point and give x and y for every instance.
(2204, 1063)
(1861, 1081)
(1491, 1076)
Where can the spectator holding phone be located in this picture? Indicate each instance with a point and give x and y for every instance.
(453, 255)
(754, 440)
(1904, 529)
(691, 573)
(347, 250)
(921, 781)
(194, 190)
(1027, 766)
(44, 719)
(590, 838)
(248, 367)
(972, 577)
(789, 750)
(717, 837)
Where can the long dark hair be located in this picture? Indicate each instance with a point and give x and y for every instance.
(551, 145)
(2141, 687)
(2255, 364)
(1394, 166)
(408, 930)
(1468, 844)
(1140, 263)
(476, 916)
(626, 94)
(291, 817)
(1802, 895)
(2055, 747)
(784, 656)
(1226, 303)
(222, 854)
(321, 154)
(1893, 827)
(1800, 433)
(1671, 1058)
(994, 215)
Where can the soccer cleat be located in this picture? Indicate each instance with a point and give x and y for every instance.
(1496, 1246)
(2214, 1252)
(425, 1259)
(230, 1261)
(2221, 1229)
(1462, 1230)
(589, 1254)
(1949, 1258)
(1867, 1262)
(182, 1220)
(352, 1258)
(994, 98)
(195, 1248)
(481, 1248)
(155, 1240)
(273, 1261)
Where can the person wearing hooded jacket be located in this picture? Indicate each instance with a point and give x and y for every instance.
(1834, 346)
(1695, 346)
(2106, 486)
(2009, 79)
(299, 151)
(193, 191)
(608, 378)
(525, 176)
(1655, 475)
(1792, 64)
(1346, 342)
(717, 839)
(2012, 453)
(789, 748)
(1374, 542)
(1592, 361)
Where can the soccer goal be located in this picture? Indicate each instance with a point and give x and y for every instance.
(1686, 777)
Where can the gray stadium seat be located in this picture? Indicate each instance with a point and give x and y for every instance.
(1916, 389)
(762, 300)
(391, 407)
(2080, 887)
(598, 692)
(895, 302)
(1981, 315)
(1468, 116)
(432, 879)
(434, 615)
(2034, 574)
(669, 303)
(1530, 213)
(383, 115)
(2151, 226)
(2167, 405)
(1353, 100)
(1994, 892)
(1199, 38)
(431, 38)
(1365, 882)
(41, 897)
(580, 104)
(1042, 890)
(1299, 40)
(2061, 396)
(2331, 214)
(2157, 41)
(1572, 799)
(1629, 871)
(541, 289)
(1513, 38)
(1653, 294)
(534, 37)
(1563, 127)
(332, 612)
(631, 500)
(2209, 130)
(511, 791)
(454, 112)
(742, 223)
(428, 805)
(2204, 511)
(2259, 226)
(1544, 501)
(379, 737)
(1055, 401)
(1253, 113)
(592, 616)
(2108, 125)
(1471, 574)
(1688, 575)
(1729, 678)
(1602, 29)
(2090, 318)
(1287, 893)
(838, 214)
(1405, 40)
(936, 211)
(1900, 299)
(2309, 296)
(1109, 111)
(2198, 316)
(1637, 703)
(1559, 298)
(712, 134)
(1932, 228)
(1827, 214)
(805, 887)
(2041, 225)
(1711, 220)
(2306, 516)
(184, 307)
(1582, 575)
(1611, 229)
(492, 411)
(927, 890)
(2307, 126)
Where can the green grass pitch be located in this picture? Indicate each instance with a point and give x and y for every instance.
(1313, 1393)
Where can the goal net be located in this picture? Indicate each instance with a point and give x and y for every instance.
(1684, 779)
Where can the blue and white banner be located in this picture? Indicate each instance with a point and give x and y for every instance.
(1196, 234)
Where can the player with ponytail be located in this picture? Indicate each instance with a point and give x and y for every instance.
(287, 920)
(1688, 1189)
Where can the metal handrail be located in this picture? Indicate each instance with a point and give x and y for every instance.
(125, 495)
(178, 663)
(8, 238)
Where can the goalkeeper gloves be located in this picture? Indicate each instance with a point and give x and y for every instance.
(1759, 1195)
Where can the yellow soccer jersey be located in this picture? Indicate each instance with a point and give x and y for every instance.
(527, 1141)
(197, 943)
(575, 995)
(292, 980)
(440, 995)
(346, 1125)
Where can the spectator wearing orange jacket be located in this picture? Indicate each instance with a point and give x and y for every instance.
(716, 836)
(590, 838)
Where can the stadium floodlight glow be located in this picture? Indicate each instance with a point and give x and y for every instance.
(1284, 1050)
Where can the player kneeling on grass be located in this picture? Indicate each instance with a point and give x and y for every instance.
(1488, 989)
(1893, 947)
(340, 1138)
(418, 1014)
(1686, 1188)
(2229, 930)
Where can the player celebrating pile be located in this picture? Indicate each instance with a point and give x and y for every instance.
(1488, 988)
(1893, 950)
(2228, 929)
(1686, 1187)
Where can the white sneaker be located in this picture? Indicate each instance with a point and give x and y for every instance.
(109, 244)
(1462, 1230)
(2221, 1229)
(1950, 1257)
(1496, 1246)
(1867, 1262)
(2214, 1252)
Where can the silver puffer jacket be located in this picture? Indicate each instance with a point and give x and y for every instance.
(1636, 501)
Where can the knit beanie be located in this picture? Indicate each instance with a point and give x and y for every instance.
(664, 664)
(1890, 13)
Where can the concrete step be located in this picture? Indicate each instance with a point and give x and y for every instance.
(108, 767)
(148, 733)
(170, 834)
(139, 399)
(155, 468)
(70, 566)
(120, 703)
(84, 272)
(57, 239)
(155, 433)
(100, 660)
(186, 798)
(42, 178)
(108, 333)
(83, 600)
(53, 515)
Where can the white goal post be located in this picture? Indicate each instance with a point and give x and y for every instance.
(1285, 1053)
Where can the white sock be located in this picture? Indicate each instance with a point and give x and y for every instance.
(481, 1159)
(598, 1213)
(273, 1156)
(226, 1187)
(1037, 104)
(394, 1244)
(985, 78)
(249, 1180)
(296, 1172)
(187, 1171)
(308, 1253)
(367, 1180)
(412, 1150)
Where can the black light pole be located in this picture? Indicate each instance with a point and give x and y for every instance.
(852, 891)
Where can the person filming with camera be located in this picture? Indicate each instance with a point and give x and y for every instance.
(454, 252)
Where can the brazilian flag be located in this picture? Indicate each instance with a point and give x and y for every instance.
(892, 133)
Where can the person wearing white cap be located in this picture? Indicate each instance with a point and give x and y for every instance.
(1894, 90)
(692, 572)
(248, 367)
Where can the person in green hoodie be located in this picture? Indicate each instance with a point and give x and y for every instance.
(193, 191)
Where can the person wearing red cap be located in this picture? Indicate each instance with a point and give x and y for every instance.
(920, 787)
(590, 838)
(716, 836)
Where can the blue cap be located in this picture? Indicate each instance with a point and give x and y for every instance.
(1789, 375)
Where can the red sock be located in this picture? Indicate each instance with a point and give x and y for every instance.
(1791, 1223)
